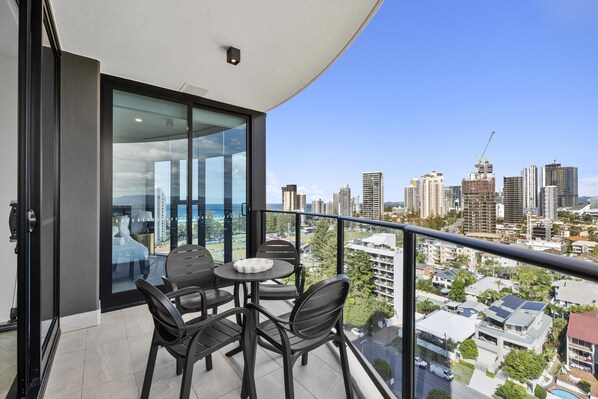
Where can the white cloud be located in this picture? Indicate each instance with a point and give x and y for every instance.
(588, 186)
(312, 192)
(273, 193)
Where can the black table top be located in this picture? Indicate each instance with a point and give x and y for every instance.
(279, 269)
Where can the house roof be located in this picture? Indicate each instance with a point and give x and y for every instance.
(584, 326)
(577, 292)
(285, 45)
(441, 322)
(492, 283)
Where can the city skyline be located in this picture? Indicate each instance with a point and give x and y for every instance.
(407, 98)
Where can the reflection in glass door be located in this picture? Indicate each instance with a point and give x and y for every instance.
(219, 190)
(149, 186)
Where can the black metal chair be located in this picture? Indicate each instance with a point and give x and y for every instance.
(198, 338)
(314, 320)
(281, 250)
(193, 266)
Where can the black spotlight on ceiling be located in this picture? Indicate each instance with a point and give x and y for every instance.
(233, 55)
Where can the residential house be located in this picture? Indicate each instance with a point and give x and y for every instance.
(574, 292)
(583, 247)
(512, 322)
(582, 341)
(423, 271)
(443, 278)
(474, 290)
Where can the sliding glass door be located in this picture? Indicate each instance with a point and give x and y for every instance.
(159, 199)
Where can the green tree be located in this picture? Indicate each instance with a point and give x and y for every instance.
(556, 336)
(426, 306)
(534, 283)
(469, 349)
(467, 278)
(457, 292)
(582, 308)
(489, 296)
(584, 386)
(382, 368)
(424, 284)
(524, 365)
(420, 257)
(510, 390)
(540, 392)
(358, 267)
(438, 394)
(323, 249)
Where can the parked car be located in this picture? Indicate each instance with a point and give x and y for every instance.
(441, 371)
(419, 362)
(357, 331)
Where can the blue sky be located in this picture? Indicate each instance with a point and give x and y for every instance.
(427, 81)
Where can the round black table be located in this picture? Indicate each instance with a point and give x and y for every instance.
(227, 271)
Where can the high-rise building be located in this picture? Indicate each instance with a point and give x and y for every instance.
(412, 197)
(431, 195)
(317, 206)
(530, 188)
(334, 204)
(356, 204)
(289, 197)
(330, 207)
(513, 199)
(549, 202)
(453, 200)
(345, 207)
(479, 201)
(373, 195)
(565, 179)
(160, 226)
(302, 202)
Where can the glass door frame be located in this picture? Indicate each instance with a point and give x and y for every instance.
(34, 357)
(110, 300)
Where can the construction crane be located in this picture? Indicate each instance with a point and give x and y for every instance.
(483, 164)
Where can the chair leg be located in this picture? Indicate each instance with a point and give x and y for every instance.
(187, 377)
(289, 391)
(345, 367)
(304, 359)
(149, 371)
(179, 367)
(209, 362)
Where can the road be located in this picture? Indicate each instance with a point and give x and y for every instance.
(424, 379)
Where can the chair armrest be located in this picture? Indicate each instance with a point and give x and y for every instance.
(275, 319)
(170, 284)
(204, 321)
(300, 278)
(176, 295)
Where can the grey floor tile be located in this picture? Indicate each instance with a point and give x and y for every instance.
(112, 329)
(165, 383)
(216, 382)
(319, 379)
(72, 341)
(66, 376)
(121, 388)
(271, 386)
(138, 320)
(107, 362)
(264, 363)
(73, 395)
(8, 360)
(140, 347)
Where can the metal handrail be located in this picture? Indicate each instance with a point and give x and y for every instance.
(556, 263)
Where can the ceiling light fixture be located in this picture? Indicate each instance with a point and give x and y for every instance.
(138, 120)
(233, 55)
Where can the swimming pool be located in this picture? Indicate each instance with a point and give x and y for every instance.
(563, 394)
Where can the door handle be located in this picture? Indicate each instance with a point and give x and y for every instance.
(244, 209)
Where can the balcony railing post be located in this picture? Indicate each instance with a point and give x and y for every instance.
(408, 347)
(340, 246)
(298, 234)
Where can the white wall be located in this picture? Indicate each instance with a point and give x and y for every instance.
(8, 178)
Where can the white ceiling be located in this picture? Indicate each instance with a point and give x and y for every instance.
(285, 44)
(9, 31)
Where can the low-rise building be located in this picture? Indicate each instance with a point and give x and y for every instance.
(574, 292)
(443, 278)
(471, 309)
(498, 260)
(583, 247)
(474, 291)
(424, 271)
(542, 245)
(443, 325)
(582, 341)
(512, 322)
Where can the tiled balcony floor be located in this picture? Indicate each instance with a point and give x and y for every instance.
(108, 361)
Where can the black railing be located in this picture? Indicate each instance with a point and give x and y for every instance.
(555, 263)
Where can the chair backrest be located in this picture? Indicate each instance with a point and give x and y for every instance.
(319, 308)
(190, 265)
(167, 319)
(279, 250)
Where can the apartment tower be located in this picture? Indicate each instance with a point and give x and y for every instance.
(345, 207)
(479, 201)
(513, 199)
(289, 197)
(412, 197)
(431, 195)
(302, 202)
(565, 180)
(373, 195)
(549, 202)
(317, 206)
(530, 188)
(453, 200)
